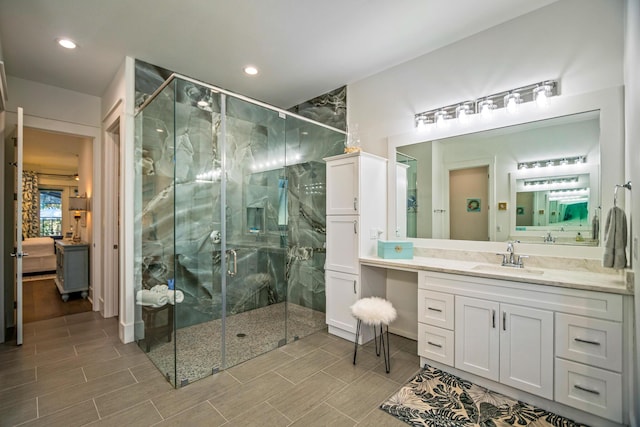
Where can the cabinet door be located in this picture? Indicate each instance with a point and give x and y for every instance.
(342, 244)
(342, 292)
(342, 186)
(526, 349)
(477, 345)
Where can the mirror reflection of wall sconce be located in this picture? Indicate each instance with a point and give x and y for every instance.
(78, 205)
(509, 100)
(565, 161)
(76, 177)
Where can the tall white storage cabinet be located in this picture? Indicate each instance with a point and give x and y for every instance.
(356, 220)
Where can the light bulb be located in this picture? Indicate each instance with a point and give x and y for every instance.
(511, 101)
(486, 108)
(541, 95)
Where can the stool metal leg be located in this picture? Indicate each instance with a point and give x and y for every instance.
(386, 349)
(355, 350)
(375, 337)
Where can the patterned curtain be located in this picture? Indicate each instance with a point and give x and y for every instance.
(30, 205)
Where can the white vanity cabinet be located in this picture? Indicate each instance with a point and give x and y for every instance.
(563, 344)
(506, 343)
(356, 219)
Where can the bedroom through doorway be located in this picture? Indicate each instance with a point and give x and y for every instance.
(57, 173)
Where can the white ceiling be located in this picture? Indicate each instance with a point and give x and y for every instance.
(303, 48)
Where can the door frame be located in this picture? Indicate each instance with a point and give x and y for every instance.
(110, 287)
(490, 163)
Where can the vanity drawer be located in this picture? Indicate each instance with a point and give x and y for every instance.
(590, 389)
(592, 341)
(435, 343)
(435, 308)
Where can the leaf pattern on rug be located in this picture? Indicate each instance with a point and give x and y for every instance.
(436, 398)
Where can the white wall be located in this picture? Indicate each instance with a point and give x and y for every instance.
(577, 41)
(632, 133)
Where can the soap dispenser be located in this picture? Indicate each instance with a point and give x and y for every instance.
(579, 237)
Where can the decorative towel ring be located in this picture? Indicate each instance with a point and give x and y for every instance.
(615, 191)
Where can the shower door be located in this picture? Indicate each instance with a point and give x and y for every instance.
(255, 222)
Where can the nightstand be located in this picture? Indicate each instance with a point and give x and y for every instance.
(72, 268)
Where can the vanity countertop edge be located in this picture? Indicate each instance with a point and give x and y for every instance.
(586, 280)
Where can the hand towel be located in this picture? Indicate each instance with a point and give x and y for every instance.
(154, 299)
(161, 289)
(615, 248)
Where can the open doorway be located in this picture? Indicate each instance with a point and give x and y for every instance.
(469, 203)
(57, 170)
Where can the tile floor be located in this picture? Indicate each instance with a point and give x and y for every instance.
(74, 371)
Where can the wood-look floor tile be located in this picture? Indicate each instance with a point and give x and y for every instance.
(324, 415)
(71, 395)
(299, 348)
(130, 395)
(307, 394)
(345, 370)
(262, 415)
(250, 394)
(175, 401)
(76, 361)
(253, 368)
(13, 396)
(108, 366)
(203, 415)
(9, 379)
(76, 415)
(357, 399)
(378, 417)
(19, 413)
(146, 371)
(140, 415)
(305, 366)
(404, 366)
(339, 347)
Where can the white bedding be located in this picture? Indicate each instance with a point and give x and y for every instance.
(41, 256)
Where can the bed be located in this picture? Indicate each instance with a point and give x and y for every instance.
(42, 256)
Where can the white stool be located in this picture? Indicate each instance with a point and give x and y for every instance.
(376, 312)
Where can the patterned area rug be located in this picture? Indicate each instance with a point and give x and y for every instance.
(435, 398)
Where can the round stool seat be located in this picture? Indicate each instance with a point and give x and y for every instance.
(374, 311)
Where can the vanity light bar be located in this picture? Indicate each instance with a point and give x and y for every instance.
(575, 160)
(510, 99)
(552, 181)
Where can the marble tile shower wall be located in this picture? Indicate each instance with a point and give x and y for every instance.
(285, 260)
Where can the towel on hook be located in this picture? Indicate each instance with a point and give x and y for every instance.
(615, 247)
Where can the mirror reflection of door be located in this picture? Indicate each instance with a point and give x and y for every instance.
(468, 203)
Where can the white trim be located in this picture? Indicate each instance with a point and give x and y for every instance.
(110, 287)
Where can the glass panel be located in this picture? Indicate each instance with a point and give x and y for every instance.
(307, 145)
(155, 231)
(197, 225)
(255, 230)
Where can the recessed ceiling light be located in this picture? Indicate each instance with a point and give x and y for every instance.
(251, 70)
(66, 43)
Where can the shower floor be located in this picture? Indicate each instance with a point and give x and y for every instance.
(248, 335)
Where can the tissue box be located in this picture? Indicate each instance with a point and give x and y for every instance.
(398, 249)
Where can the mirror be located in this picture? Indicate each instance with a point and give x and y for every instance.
(542, 158)
(574, 125)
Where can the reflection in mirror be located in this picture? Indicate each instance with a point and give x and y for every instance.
(535, 209)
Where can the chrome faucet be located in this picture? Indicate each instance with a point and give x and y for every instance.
(510, 259)
(549, 238)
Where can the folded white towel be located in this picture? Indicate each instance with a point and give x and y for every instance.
(175, 297)
(161, 289)
(154, 299)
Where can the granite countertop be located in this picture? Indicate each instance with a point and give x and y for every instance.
(617, 282)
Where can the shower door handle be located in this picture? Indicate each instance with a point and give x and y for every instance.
(235, 263)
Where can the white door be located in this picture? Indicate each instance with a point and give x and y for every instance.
(342, 186)
(18, 254)
(477, 337)
(342, 292)
(526, 349)
(342, 244)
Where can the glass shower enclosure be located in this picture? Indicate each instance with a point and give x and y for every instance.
(230, 228)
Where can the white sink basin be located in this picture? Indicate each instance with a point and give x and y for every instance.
(504, 269)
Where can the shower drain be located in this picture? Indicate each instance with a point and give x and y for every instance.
(241, 335)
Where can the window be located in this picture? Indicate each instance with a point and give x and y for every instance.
(50, 212)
